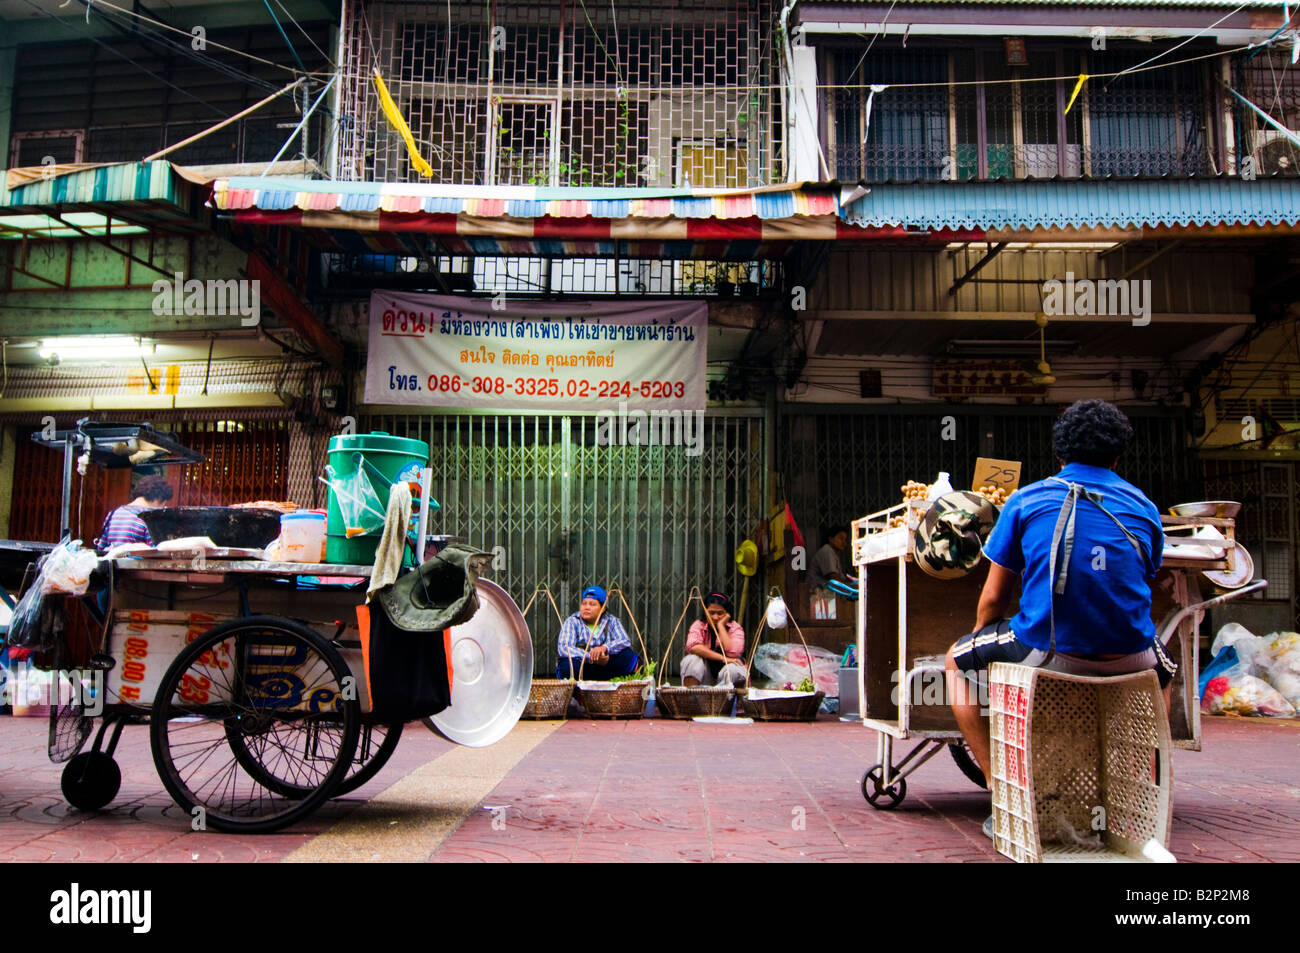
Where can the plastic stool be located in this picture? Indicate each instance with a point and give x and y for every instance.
(1081, 766)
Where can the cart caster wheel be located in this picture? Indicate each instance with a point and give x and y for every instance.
(966, 762)
(881, 798)
(91, 780)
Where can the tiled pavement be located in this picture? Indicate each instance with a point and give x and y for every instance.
(648, 791)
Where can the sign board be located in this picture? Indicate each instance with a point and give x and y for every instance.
(959, 380)
(498, 354)
(1003, 474)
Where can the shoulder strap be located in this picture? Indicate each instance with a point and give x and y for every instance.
(1063, 539)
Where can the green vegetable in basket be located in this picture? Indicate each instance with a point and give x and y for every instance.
(642, 672)
(806, 686)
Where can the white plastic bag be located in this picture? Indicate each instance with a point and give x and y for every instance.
(1245, 695)
(66, 569)
(777, 615)
(1280, 664)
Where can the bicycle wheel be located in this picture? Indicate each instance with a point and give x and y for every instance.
(279, 687)
(375, 745)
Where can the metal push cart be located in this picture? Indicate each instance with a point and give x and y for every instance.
(250, 677)
(249, 673)
(906, 620)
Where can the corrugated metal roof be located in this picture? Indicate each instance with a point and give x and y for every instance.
(1079, 204)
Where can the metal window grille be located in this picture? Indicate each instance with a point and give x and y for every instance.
(841, 464)
(565, 93)
(1148, 123)
(569, 512)
(1266, 525)
(553, 276)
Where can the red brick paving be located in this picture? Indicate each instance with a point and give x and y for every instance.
(667, 791)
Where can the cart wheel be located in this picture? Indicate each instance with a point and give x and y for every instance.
(881, 798)
(90, 780)
(966, 761)
(375, 745)
(277, 688)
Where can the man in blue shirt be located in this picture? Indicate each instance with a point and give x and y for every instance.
(593, 634)
(1096, 541)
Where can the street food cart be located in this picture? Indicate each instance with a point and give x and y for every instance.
(250, 676)
(906, 621)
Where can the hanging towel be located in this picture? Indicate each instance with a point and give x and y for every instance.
(392, 543)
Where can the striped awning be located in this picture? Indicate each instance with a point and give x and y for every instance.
(699, 224)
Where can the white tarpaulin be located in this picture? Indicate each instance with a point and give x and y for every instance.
(447, 351)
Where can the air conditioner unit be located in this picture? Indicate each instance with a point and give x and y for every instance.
(1275, 154)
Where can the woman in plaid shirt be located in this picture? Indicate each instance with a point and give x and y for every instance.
(596, 636)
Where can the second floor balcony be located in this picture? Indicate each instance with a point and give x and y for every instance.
(964, 113)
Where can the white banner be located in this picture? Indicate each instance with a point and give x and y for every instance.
(447, 351)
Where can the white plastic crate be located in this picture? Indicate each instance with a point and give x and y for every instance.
(1081, 767)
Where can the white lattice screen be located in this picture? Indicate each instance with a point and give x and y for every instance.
(565, 93)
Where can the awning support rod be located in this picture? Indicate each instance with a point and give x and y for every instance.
(305, 116)
(971, 272)
(109, 245)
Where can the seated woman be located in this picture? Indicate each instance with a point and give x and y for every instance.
(594, 643)
(715, 648)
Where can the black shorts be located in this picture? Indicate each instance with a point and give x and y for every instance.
(997, 642)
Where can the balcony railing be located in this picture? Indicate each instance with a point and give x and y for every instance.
(962, 115)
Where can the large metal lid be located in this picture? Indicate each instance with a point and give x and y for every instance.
(492, 672)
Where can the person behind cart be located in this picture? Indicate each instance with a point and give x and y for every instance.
(715, 647)
(595, 642)
(1094, 539)
(827, 564)
(124, 525)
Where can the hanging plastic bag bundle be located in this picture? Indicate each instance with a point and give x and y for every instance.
(362, 511)
(38, 622)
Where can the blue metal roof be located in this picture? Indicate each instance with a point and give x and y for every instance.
(1133, 203)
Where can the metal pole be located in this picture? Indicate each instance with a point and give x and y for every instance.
(68, 446)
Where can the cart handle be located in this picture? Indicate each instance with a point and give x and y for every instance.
(1170, 625)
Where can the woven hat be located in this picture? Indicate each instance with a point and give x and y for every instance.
(948, 541)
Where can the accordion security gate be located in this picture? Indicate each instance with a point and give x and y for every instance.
(554, 506)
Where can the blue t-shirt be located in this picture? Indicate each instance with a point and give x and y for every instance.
(1106, 606)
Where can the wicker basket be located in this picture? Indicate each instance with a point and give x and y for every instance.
(673, 701)
(625, 700)
(548, 698)
(801, 707)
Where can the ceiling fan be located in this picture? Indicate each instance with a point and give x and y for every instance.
(1043, 375)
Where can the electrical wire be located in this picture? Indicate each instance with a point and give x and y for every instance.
(144, 69)
(1134, 69)
(188, 36)
(186, 50)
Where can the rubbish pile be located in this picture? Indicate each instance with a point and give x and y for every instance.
(1252, 674)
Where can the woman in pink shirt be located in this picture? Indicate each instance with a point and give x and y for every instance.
(715, 648)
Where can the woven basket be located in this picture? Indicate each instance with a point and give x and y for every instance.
(797, 708)
(548, 698)
(673, 701)
(627, 700)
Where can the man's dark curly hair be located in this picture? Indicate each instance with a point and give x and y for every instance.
(1091, 432)
(154, 488)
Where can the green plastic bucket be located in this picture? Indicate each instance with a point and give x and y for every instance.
(398, 459)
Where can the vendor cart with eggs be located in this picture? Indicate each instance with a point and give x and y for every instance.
(920, 572)
(271, 679)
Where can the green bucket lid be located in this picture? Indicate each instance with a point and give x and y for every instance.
(379, 441)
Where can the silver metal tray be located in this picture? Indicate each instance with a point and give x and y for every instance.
(492, 671)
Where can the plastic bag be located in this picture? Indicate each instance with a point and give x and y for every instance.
(25, 626)
(1228, 635)
(1245, 695)
(66, 569)
(777, 616)
(789, 663)
(1280, 664)
(359, 505)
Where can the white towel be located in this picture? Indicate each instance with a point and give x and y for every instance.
(392, 544)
